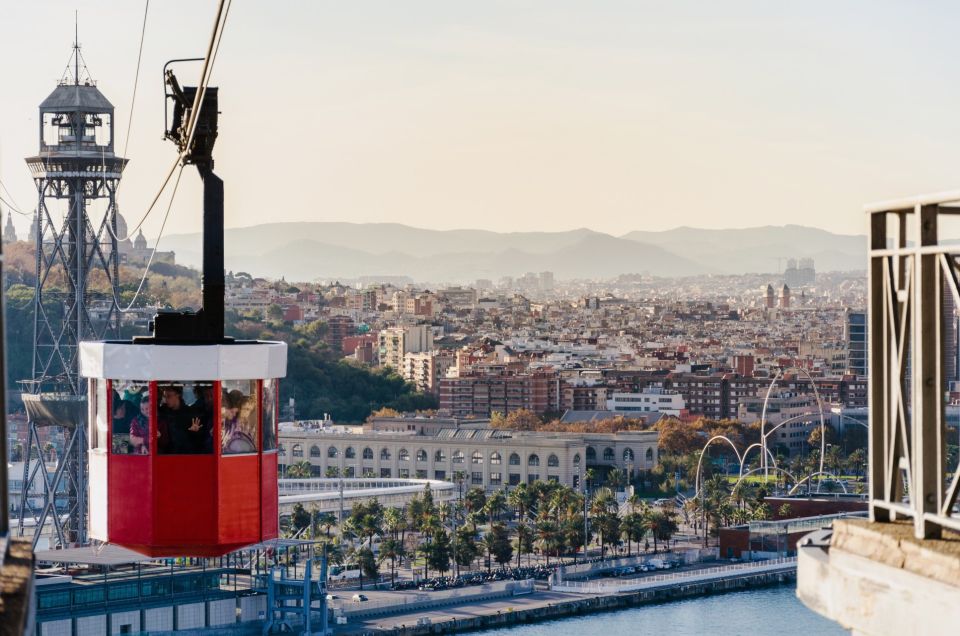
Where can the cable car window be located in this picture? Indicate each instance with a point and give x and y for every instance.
(101, 422)
(94, 393)
(269, 414)
(238, 410)
(130, 417)
(185, 418)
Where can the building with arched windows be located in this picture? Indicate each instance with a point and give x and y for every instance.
(447, 449)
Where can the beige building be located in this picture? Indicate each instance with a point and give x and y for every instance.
(425, 368)
(485, 457)
(395, 342)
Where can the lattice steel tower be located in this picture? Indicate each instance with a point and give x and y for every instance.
(76, 174)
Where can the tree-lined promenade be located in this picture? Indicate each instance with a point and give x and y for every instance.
(486, 532)
(547, 521)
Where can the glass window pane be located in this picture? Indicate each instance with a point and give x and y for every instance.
(238, 412)
(102, 409)
(92, 413)
(269, 414)
(185, 418)
(130, 417)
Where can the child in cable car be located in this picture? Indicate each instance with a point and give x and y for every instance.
(140, 426)
(234, 439)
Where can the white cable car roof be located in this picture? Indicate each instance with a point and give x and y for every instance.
(132, 361)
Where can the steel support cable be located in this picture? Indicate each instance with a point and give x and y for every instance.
(223, 9)
(156, 246)
(212, 49)
(136, 80)
(9, 200)
(12, 207)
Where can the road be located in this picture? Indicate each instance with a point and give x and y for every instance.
(467, 610)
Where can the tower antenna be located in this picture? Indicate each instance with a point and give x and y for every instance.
(76, 47)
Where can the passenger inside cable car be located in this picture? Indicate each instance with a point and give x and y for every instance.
(140, 425)
(239, 423)
(182, 428)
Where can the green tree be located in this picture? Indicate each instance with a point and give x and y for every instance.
(522, 420)
(466, 547)
(633, 527)
(438, 556)
(392, 549)
(495, 506)
(519, 498)
(662, 526)
(474, 501)
(549, 538)
(299, 518)
(326, 520)
(299, 470)
(617, 479)
(525, 540)
(857, 462)
(275, 312)
(497, 543)
(368, 564)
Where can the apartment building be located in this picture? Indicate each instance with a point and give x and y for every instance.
(395, 342)
(650, 401)
(483, 395)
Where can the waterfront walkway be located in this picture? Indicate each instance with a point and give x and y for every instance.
(575, 597)
(703, 575)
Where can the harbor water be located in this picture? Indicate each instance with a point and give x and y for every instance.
(770, 610)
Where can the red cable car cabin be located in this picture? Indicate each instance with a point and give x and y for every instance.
(183, 445)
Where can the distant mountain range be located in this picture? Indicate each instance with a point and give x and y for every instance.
(312, 250)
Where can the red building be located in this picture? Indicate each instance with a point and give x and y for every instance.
(482, 395)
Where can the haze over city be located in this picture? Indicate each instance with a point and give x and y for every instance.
(616, 116)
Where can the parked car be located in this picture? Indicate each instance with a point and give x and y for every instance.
(359, 598)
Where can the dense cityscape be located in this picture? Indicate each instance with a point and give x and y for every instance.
(435, 350)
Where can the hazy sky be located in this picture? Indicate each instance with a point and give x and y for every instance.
(521, 115)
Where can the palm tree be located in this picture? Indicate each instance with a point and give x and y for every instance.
(635, 501)
(548, 537)
(394, 521)
(633, 528)
(496, 505)
(743, 492)
(392, 549)
(326, 520)
(525, 537)
(520, 500)
(661, 525)
(760, 512)
(602, 508)
(474, 501)
(299, 470)
(856, 462)
(616, 478)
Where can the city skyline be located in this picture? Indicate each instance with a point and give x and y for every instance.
(521, 118)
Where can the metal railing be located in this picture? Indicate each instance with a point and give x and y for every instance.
(913, 293)
(661, 580)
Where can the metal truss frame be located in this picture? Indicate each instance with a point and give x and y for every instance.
(912, 263)
(70, 254)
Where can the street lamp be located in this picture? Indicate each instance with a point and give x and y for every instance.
(586, 519)
(456, 511)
